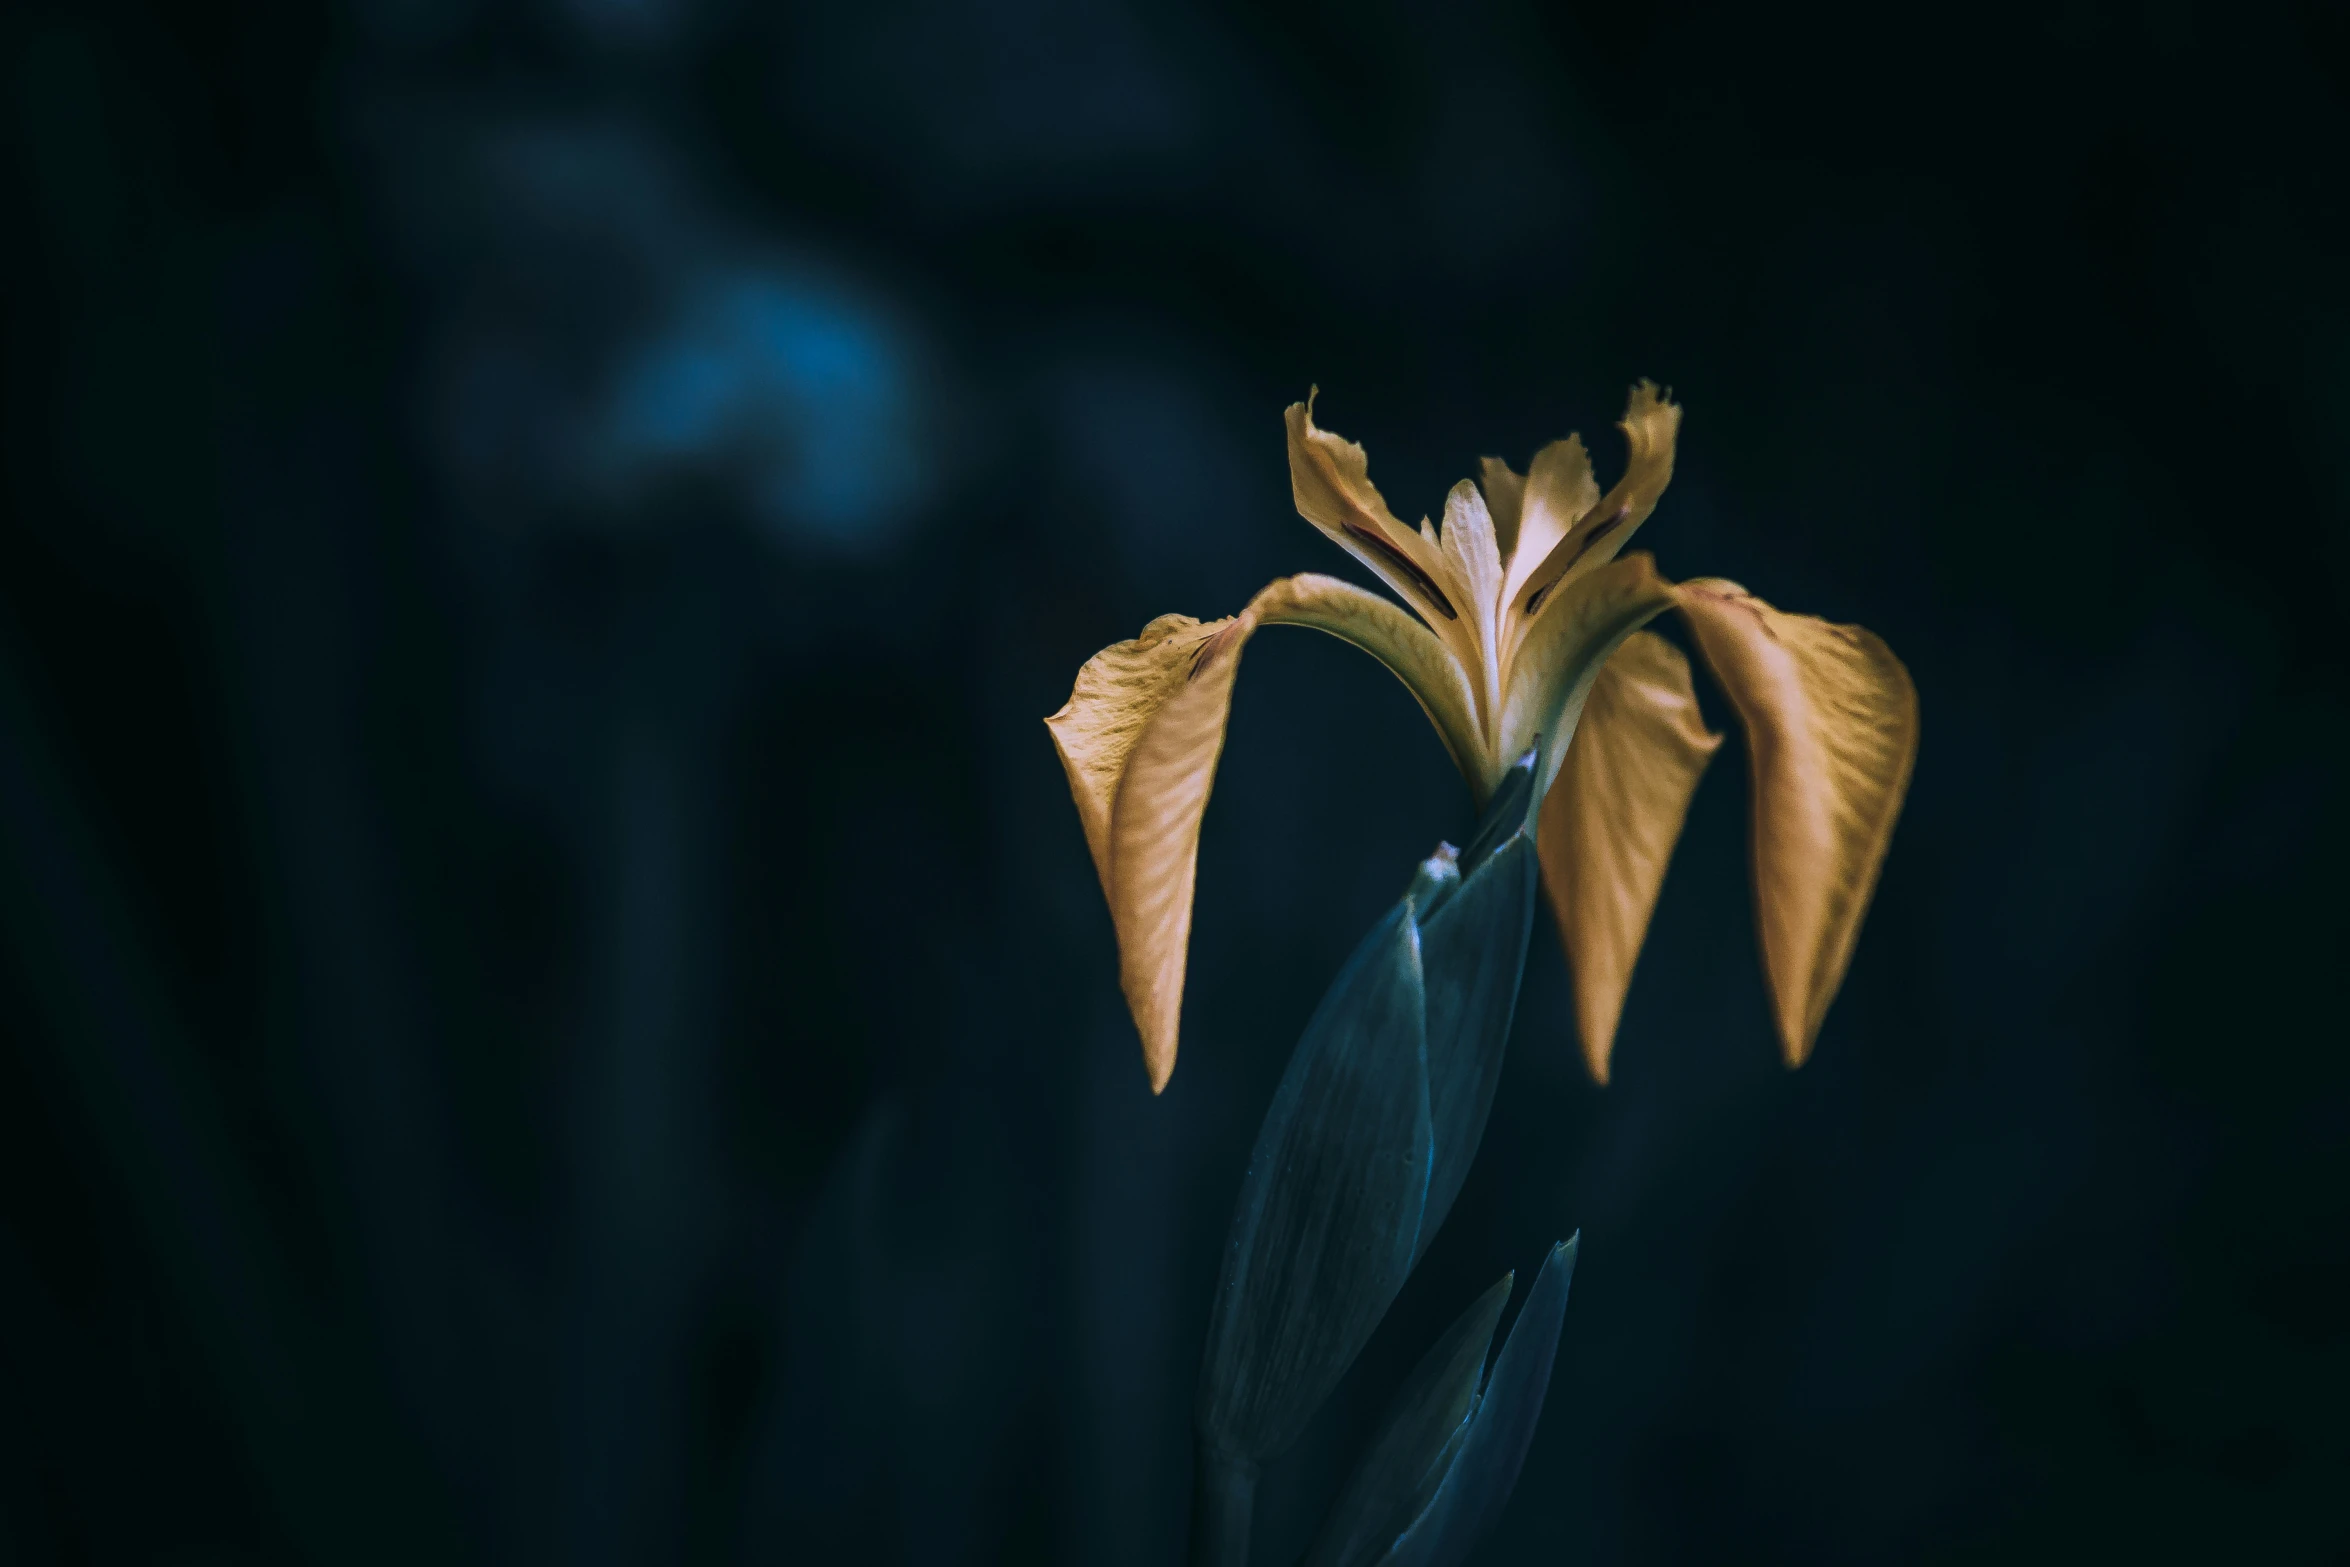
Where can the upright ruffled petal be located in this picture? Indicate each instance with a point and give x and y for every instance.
(1562, 650)
(1505, 500)
(1475, 559)
(1560, 492)
(1330, 479)
(1610, 822)
(1831, 723)
(1140, 737)
(1650, 424)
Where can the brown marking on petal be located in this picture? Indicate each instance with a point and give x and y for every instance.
(1583, 545)
(1405, 564)
(1742, 600)
(1208, 651)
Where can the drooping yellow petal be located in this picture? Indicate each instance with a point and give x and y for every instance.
(1831, 721)
(1560, 492)
(1140, 737)
(1611, 819)
(1572, 635)
(1650, 424)
(1119, 691)
(1330, 480)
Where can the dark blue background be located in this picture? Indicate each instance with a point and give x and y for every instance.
(555, 1007)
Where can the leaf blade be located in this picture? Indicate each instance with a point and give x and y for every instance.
(1485, 1471)
(1406, 1461)
(1328, 1220)
(1473, 954)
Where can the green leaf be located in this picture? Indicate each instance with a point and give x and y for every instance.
(1472, 954)
(1328, 1221)
(1485, 1469)
(1400, 1471)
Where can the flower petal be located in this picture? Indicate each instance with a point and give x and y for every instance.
(1505, 499)
(1831, 722)
(1409, 649)
(1118, 692)
(1650, 424)
(1610, 822)
(1140, 737)
(1560, 492)
(1330, 479)
(1562, 650)
(1470, 550)
(1469, 543)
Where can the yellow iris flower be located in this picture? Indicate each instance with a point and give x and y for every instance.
(1527, 637)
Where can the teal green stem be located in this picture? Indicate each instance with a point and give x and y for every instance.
(1223, 1504)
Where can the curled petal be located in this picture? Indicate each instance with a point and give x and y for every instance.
(1408, 649)
(1651, 424)
(1610, 822)
(1562, 650)
(1330, 479)
(1140, 737)
(1119, 691)
(1831, 723)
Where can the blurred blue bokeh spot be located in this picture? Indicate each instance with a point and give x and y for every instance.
(802, 392)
